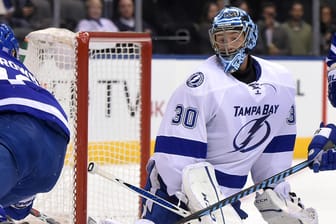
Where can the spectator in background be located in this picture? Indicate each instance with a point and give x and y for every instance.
(331, 3)
(210, 11)
(72, 11)
(220, 3)
(29, 15)
(283, 7)
(124, 18)
(327, 28)
(273, 39)
(299, 31)
(94, 20)
(6, 9)
(23, 11)
(242, 5)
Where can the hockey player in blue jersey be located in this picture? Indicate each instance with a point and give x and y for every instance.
(233, 116)
(34, 133)
(322, 147)
(331, 63)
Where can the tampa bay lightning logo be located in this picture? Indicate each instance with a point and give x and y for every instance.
(195, 80)
(252, 134)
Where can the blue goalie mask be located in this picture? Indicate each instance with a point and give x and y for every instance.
(232, 35)
(8, 42)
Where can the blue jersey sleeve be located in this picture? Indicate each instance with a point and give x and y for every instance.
(21, 92)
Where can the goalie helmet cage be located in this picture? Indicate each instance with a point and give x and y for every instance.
(103, 82)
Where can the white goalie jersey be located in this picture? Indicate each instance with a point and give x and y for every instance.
(237, 127)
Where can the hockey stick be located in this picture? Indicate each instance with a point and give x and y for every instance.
(94, 169)
(235, 197)
(43, 217)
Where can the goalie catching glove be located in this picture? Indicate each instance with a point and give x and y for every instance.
(321, 149)
(280, 206)
(201, 189)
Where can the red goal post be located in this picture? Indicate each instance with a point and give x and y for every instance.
(103, 81)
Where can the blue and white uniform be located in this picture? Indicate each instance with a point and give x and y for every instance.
(237, 127)
(34, 134)
(21, 92)
(331, 63)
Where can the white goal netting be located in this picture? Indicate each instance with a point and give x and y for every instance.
(115, 118)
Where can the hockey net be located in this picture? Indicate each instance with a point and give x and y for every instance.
(103, 82)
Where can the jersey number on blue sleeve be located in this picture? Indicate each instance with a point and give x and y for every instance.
(185, 116)
(18, 79)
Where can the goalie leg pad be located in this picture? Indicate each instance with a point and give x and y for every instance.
(275, 209)
(152, 211)
(200, 186)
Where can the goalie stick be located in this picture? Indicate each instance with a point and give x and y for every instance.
(254, 188)
(187, 216)
(94, 169)
(43, 217)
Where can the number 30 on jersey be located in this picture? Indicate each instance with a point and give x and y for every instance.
(185, 116)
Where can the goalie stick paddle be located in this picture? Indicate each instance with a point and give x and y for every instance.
(94, 169)
(43, 217)
(235, 197)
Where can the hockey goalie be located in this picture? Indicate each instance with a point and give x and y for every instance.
(233, 116)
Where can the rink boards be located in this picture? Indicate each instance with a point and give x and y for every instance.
(115, 152)
(168, 72)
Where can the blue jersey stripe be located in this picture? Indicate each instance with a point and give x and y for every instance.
(179, 146)
(283, 143)
(60, 121)
(229, 180)
(34, 104)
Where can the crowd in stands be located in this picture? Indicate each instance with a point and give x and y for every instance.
(94, 20)
(181, 27)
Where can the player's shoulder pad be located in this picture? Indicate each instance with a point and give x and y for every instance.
(272, 66)
(206, 77)
(276, 72)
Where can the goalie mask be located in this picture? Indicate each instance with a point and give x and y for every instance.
(232, 35)
(8, 42)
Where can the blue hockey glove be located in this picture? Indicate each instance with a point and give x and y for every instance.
(321, 149)
(331, 62)
(21, 209)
